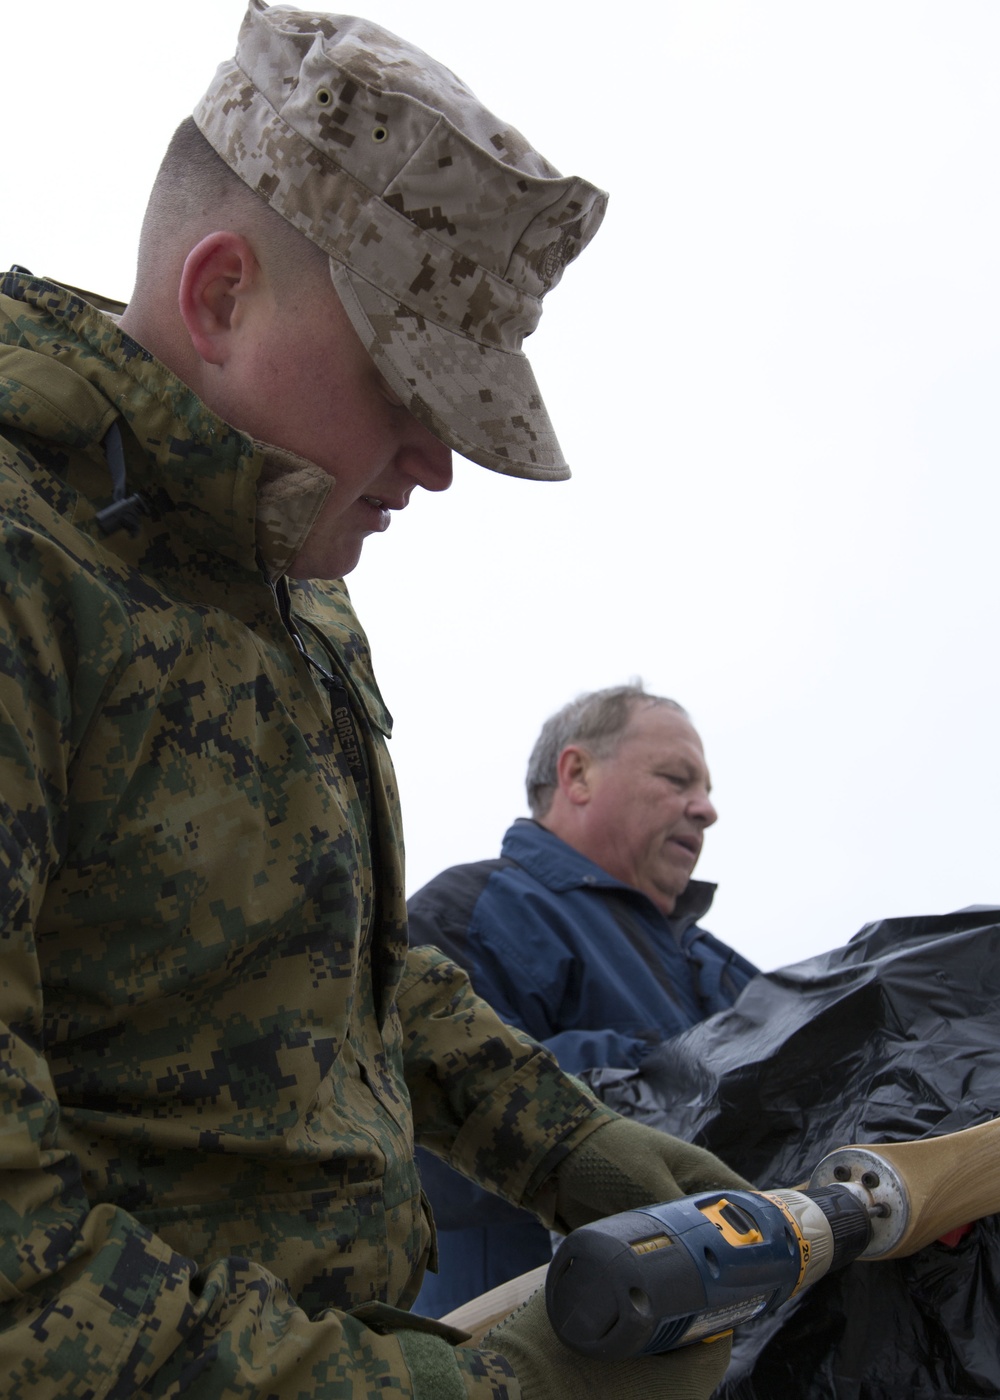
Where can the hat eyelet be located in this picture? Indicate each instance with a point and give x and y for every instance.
(380, 134)
(324, 96)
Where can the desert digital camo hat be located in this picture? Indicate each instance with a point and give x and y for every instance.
(444, 228)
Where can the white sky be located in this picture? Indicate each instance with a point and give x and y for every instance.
(774, 373)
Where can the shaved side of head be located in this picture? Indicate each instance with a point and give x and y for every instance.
(196, 193)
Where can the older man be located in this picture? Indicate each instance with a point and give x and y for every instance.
(216, 1051)
(583, 933)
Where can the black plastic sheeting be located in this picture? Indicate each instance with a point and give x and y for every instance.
(894, 1037)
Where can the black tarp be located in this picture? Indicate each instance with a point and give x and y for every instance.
(895, 1036)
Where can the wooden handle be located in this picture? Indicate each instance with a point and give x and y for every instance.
(480, 1314)
(950, 1181)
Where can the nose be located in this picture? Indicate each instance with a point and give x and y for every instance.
(701, 808)
(426, 459)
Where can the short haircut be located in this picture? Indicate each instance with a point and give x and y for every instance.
(194, 186)
(596, 720)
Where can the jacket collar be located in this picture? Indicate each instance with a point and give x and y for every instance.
(560, 867)
(67, 372)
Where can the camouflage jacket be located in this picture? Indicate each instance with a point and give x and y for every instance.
(214, 1042)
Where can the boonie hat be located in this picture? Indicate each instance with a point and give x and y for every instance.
(444, 228)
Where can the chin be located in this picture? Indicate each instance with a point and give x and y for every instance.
(664, 898)
(324, 566)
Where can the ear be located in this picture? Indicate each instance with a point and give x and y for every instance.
(573, 772)
(218, 276)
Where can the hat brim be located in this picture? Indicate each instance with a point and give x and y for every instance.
(483, 402)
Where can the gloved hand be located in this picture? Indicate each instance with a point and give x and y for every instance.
(547, 1370)
(624, 1165)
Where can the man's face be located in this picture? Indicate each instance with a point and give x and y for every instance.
(649, 805)
(308, 385)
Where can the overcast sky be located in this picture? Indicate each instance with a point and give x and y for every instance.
(774, 373)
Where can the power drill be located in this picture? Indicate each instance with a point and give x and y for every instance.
(690, 1270)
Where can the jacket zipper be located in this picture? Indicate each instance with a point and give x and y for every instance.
(340, 707)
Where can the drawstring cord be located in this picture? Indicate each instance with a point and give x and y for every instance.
(124, 511)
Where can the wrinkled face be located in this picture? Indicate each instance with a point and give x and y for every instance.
(649, 805)
(309, 386)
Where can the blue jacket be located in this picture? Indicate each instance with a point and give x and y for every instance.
(585, 964)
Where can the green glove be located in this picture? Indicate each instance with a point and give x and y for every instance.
(625, 1165)
(547, 1370)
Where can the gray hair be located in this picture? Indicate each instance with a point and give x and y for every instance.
(597, 720)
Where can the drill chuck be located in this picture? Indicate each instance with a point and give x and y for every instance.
(650, 1280)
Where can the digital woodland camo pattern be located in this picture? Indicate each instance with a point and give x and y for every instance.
(207, 1137)
(444, 227)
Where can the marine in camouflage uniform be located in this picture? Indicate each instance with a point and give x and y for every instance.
(215, 1043)
(209, 1007)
